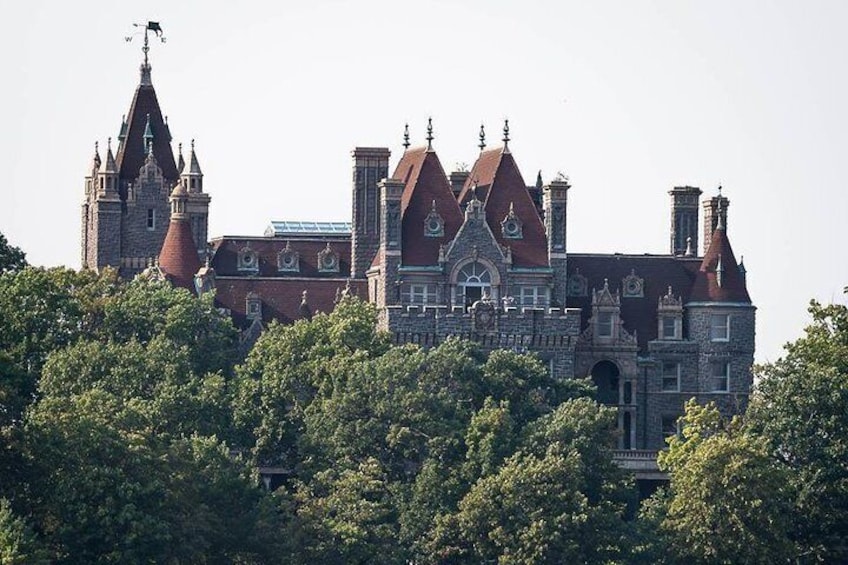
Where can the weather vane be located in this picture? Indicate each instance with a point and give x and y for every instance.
(149, 26)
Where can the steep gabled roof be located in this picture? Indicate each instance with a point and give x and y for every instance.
(719, 265)
(132, 151)
(500, 186)
(426, 182)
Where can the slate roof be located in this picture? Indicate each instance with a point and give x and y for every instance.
(706, 288)
(426, 181)
(658, 271)
(131, 151)
(227, 248)
(178, 257)
(499, 185)
(281, 298)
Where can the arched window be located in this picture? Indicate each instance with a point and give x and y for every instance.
(472, 282)
(605, 375)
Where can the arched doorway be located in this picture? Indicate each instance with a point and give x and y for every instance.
(606, 376)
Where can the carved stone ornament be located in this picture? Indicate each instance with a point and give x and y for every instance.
(633, 286)
(288, 260)
(328, 260)
(434, 225)
(511, 226)
(578, 285)
(483, 316)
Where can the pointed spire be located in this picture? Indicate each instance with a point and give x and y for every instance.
(109, 166)
(482, 145)
(405, 137)
(506, 136)
(180, 160)
(194, 165)
(96, 159)
(429, 134)
(539, 183)
(742, 270)
(122, 134)
(148, 135)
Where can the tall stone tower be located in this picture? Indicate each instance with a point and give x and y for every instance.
(124, 226)
(370, 166)
(684, 220)
(555, 199)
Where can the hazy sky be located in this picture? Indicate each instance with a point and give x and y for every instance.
(627, 98)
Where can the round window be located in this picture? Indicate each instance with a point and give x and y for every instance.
(288, 260)
(511, 227)
(633, 287)
(247, 259)
(434, 226)
(328, 261)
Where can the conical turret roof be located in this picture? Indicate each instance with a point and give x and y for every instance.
(719, 279)
(178, 258)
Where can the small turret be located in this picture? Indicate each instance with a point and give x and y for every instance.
(180, 160)
(107, 175)
(191, 177)
(178, 258)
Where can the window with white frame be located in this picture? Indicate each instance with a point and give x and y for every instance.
(420, 294)
(473, 282)
(533, 295)
(670, 376)
(719, 327)
(669, 327)
(670, 425)
(719, 376)
(604, 324)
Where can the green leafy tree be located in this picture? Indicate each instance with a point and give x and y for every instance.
(11, 258)
(729, 501)
(801, 409)
(18, 543)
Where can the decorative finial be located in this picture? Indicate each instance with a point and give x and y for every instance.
(405, 137)
(97, 146)
(429, 134)
(145, 66)
(180, 149)
(474, 190)
(482, 145)
(689, 252)
(506, 136)
(719, 271)
(148, 134)
(719, 190)
(192, 145)
(719, 211)
(434, 206)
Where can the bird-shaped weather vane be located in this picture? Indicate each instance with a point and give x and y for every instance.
(145, 28)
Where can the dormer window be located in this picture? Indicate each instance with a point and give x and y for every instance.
(720, 327)
(288, 260)
(434, 225)
(669, 326)
(248, 259)
(670, 317)
(328, 260)
(578, 285)
(253, 306)
(511, 226)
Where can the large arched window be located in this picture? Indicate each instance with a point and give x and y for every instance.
(472, 281)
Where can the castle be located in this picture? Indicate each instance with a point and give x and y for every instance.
(477, 254)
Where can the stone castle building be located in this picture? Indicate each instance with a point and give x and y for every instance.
(477, 254)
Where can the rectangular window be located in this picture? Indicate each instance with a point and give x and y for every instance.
(151, 219)
(604, 324)
(670, 376)
(669, 327)
(533, 295)
(719, 377)
(420, 294)
(720, 327)
(670, 426)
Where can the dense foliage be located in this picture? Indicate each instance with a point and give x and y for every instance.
(130, 432)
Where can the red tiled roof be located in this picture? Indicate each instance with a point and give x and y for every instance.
(281, 298)
(706, 288)
(499, 184)
(178, 258)
(131, 152)
(426, 182)
(227, 248)
(658, 272)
